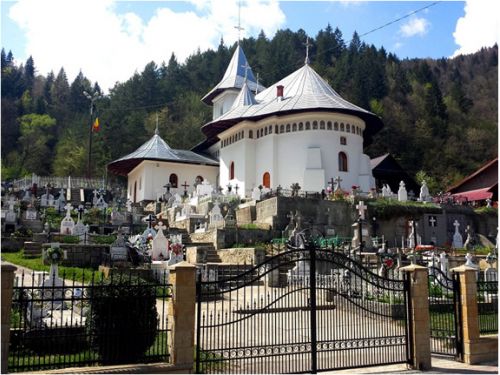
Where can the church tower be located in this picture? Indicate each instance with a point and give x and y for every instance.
(224, 94)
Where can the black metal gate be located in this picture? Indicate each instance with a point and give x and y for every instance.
(304, 310)
(444, 310)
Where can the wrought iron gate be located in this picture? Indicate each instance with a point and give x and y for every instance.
(444, 310)
(304, 310)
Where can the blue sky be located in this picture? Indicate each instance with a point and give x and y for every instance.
(108, 40)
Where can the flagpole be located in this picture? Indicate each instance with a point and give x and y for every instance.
(92, 99)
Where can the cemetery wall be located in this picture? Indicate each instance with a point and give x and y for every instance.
(244, 237)
(82, 255)
(250, 255)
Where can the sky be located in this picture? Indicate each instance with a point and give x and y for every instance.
(109, 40)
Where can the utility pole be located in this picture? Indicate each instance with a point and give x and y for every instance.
(92, 99)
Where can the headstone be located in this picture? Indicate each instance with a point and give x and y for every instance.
(230, 219)
(413, 234)
(67, 223)
(160, 244)
(491, 274)
(61, 200)
(488, 202)
(361, 209)
(424, 192)
(469, 241)
(458, 242)
(31, 213)
(26, 196)
(117, 218)
(129, 205)
(402, 194)
(118, 250)
(256, 194)
(443, 262)
(216, 220)
(47, 200)
(386, 191)
(204, 189)
(101, 203)
(95, 198)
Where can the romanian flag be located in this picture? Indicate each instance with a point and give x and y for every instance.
(95, 126)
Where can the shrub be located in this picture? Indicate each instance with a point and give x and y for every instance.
(123, 320)
(103, 240)
(70, 239)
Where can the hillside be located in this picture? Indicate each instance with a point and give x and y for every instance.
(440, 115)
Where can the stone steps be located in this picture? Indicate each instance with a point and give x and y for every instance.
(212, 256)
(32, 249)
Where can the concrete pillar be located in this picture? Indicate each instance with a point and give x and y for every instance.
(181, 313)
(419, 314)
(7, 289)
(469, 313)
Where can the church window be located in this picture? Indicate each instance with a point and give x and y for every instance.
(173, 180)
(315, 125)
(250, 134)
(341, 126)
(301, 126)
(322, 125)
(343, 141)
(342, 162)
(198, 180)
(288, 128)
(270, 129)
(282, 128)
(336, 126)
(140, 183)
(258, 133)
(242, 134)
(329, 125)
(308, 126)
(266, 180)
(348, 128)
(294, 127)
(231, 171)
(135, 191)
(276, 129)
(265, 130)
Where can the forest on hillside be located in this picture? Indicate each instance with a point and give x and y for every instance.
(440, 115)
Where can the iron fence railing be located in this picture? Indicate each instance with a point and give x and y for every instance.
(73, 322)
(487, 306)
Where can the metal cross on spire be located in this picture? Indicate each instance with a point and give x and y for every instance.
(307, 44)
(238, 27)
(156, 129)
(257, 85)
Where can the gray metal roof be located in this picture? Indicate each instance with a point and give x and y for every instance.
(304, 89)
(157, 149)
(244, 98)
(234, 77)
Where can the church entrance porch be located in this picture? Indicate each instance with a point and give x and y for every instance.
(284, 316)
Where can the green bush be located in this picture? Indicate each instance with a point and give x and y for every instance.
(123, 320)
(70, 239)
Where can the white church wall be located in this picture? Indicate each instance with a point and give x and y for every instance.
(233, 153)
(264, 160)
(156, 174)
(223, 102)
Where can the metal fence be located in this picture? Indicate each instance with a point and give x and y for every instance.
(73, 322)
(487, 306)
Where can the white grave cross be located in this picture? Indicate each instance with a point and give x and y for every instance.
(361, 209)
(160, 243)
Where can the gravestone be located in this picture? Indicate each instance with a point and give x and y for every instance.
(67, 223)
(31, 214)
(117, 218)
(458, 242)
(26, 196)
(230, 219)
(443, 263)
(61, 201)
(101, 203)
(95, 198)
(402, 193)
(256, 194)
(118, 250)
(424, 192)
(81, 231)
(204, 189)
(216, 220)
(491, 274)
(160, 244)
(470, 240)
(469, 261)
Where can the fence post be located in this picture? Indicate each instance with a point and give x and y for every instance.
(181, 313)
(7, 289)
(419, 316)
(469, 313)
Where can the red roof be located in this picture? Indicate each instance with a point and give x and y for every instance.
(475, 195)
(484, 167)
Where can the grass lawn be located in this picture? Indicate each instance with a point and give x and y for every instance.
(36, 264)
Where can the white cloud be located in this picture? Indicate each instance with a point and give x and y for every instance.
(397, 45)
(414, 26)
(89, 35)
(478, 28)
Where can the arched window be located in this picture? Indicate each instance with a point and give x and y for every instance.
(266, 180)
(173, 180)
(322, 125)
(348, 128)
(341, 126)
(301, 126)
(270, 129)
(308, 126)
(250, 134)
(342, 162)
(265, 130)
(282, 128)
(329, 125)
(198, 180)
(276, 129)
(288, 128)
(343, 141)
(294, 127)
(231, 171)
(135, 191)
(315, 125)
(336, 126)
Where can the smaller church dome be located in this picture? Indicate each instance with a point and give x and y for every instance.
(244, 98)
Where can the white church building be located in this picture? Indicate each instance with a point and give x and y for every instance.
(299, 130)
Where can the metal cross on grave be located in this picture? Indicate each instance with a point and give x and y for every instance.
(167, 187)
(150, 220)
(332, 182)
(361, 209)
(81, 209)
(338, 180)
(236, 187)
(185, 185)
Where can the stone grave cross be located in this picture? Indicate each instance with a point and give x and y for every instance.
(338, 180)
(361, 209)
(160, 244)
(432, 221)
(458, 241)
(185, 186)
(94, 199)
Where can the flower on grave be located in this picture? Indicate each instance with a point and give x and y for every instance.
(176, 248)
(54, 254)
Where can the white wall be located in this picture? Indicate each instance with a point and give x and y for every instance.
(284, 155)
(223, 102)
(156, 174)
